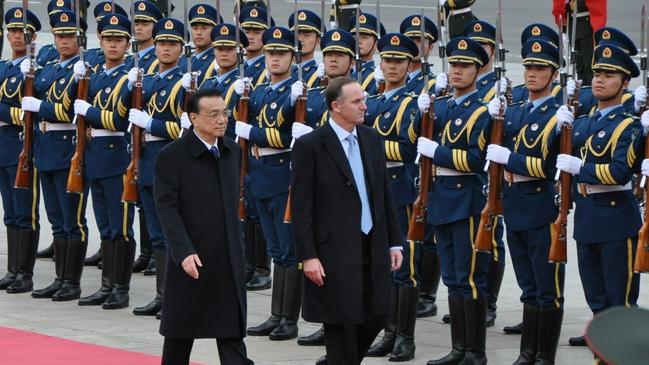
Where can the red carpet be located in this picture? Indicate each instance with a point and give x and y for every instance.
(29, 348)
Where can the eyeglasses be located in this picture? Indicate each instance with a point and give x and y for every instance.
(215, 115)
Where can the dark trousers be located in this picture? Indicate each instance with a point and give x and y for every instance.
(232, 351)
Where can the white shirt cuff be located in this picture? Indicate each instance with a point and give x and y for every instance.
(396, 248)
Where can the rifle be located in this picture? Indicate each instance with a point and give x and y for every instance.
(417, 223)
(640, 179)
(75, 176)
(242, 109)
(325, 80)
(493, 207)
(381, 88)
(441, 45)
(130, 193)
(218, 10)
(641, 263)
(558, 248)
(357, 33)
(188, 56)
(24, 172)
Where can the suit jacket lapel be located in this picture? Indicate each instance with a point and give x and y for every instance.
(332, 144)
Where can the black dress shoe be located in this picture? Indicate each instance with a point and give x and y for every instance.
(446, 319)
(48, 291)
(150, 309)
(93, 260)
(286, 330)
(259, 281)
(265, 328)
(141, 263)
(317, 338)
(322, 361)
(158, 315)
(513, 330)
(69, 291)
(577, 341)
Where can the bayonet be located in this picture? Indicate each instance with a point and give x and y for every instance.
(322, 18)
(378, 20)
(359, 76)
(562, 65)
(573, 48)
(218, 11)
(237, 36)
(269, 18)
(296, 33)
(643, 44)
(500, 66)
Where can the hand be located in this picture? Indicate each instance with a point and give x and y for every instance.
(31, 104)
(571, 85)
(240, 85)
(503, 84)
(494, 106)
(185, 123)
(81, 107)
(300, 129)
(314, 271)
(321, 70)
(186, 81)
(296, 90)
(396, 258)
(564, 117)
(132, 76)
(640, 95)
(139, 118)
(426, 147)
(378, 76)
(242, 130)
(645, 167)
(645, 122)
(79, 70)
(498, 154)
(191, 264)
(423, 102)
(441, 83)
(569, 164)
(25, 66)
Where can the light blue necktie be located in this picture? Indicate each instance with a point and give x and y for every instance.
(355, 162)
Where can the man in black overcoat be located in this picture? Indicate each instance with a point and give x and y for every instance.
(196, 189)
(345, 225)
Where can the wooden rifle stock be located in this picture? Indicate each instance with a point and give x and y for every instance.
(130, 193)
(242, 109)
(641, 263)
(559, 248)
(24, 172)
(300, 117)
(493, 207)
(75, 176)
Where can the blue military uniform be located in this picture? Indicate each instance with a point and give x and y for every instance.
(20, 206)
(411, 27)
(255, 18)
(607, 217)
(56, 87)
(368, 25)
(203, 62)
(95, 56)
(308, 21)
(145, 11)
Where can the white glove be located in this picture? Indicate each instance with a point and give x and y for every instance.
(640, 95)
(503, 84)
(296, 90)
(25, 65)
(139, 118)
(423, 102)
(300, 129)
(645, 122)
(79, 70)
(185, 123)
(186, 81)
(378, 76)
(31, 104)
(568, 163)
(564, 117)
(426, 147)
(441, 83)
(571, 85)
(498, 154)
(645, 167)
(494, 106)
(81, 107)
(442, 2)
(132, 76)
(216, 68)
(240, 85)
(321, 70)
(242, 130)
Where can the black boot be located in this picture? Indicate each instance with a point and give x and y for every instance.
(46, 253)
(95, 259)
(261, 277)
(513, 330)
(155, 306)
(264, 329)
(317, 338)
(430, 276)
(529, 336)
(60, 247)
(12, 258)
(458, 334)
(71, 289)
(476, 331)
(386, 344)
(549, 330)
(124, 254)
(404, 347)
(146, 251)
(577, 341)
(27, 248)
(291, 304)
(151, 268)
(107, 276)
(446, 318)
(494, 281)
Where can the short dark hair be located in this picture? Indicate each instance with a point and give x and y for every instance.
(192, 103)
(335, 89)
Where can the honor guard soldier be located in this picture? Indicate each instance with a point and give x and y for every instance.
(528, 155)
(20, 206)
(202, 20)
(162, 95)
(55, 87)
(146, 17)
(456, 199)
(48, 52)
(254, 22)
(270, 174)
(394, 116)
(607, 217)
(538, 31)
(411, 27)
(338, 48)
(95, 56)
(106, 161)
(485, 34)
(458, 13)
(367, 44)
(309, 25)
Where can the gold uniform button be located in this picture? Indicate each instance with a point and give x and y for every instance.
(111, 145)
(281, 160)
(538, 190)
(65, 137)
(394, 176)
(458, 186)
(612, 203)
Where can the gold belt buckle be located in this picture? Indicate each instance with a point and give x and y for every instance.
(89, 133)
(255, 152)
(43, 127)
